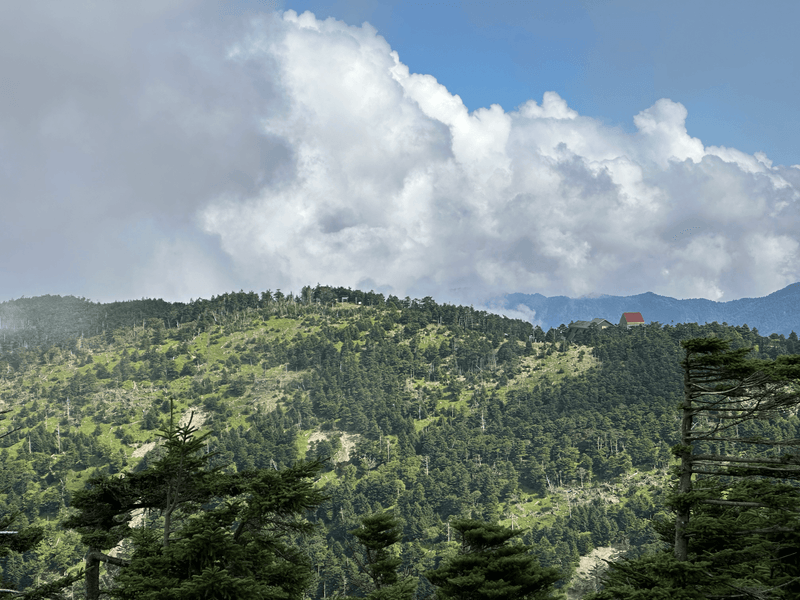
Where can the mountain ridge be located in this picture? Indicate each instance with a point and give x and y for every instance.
(778, 312)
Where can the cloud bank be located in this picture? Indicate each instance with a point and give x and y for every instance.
(180, 153)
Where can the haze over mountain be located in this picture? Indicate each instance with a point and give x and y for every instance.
(778, 312)
(184, 148)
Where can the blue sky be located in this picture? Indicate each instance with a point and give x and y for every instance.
(732, 65)
(463, 150)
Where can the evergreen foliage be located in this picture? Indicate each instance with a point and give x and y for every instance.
(377, 535)
(737, 526)
(488, 568)
(231, 539)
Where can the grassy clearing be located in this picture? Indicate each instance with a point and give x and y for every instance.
(539, 369)
(302, 441)
(325, 478)
(432, 335)
(422, 424)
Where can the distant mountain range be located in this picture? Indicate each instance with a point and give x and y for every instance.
(777, 313)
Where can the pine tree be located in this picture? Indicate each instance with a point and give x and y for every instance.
(487, 567)
(377, 534)
(737, 528)
(224, 534)
(238, 550)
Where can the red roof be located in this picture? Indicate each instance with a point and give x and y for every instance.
(633, 317)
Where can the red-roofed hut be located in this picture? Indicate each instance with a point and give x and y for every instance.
(631, 319)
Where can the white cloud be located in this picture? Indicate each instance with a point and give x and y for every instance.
(287, 150)
(774, 258)
(663, 129)
(522, 312)
(397, 183)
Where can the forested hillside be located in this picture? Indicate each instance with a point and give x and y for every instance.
(436, 412)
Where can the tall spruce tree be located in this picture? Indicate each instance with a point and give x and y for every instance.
(737, 526)
(723, 390)
(239, 550)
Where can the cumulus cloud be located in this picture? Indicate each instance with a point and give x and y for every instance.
(282, 150)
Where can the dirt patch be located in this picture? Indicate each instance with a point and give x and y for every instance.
(143, 449)
(317, 436)
(591, 567)
(197, 415)
(348, 441)
(137, 518)
(348, 445)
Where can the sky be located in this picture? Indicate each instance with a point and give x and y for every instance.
(186, 148)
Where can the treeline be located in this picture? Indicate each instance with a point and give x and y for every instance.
(45, 321)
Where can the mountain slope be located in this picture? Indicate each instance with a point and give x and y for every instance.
(432, 411)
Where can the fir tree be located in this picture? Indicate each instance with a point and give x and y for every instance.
(737, 529)
(229, 542)
(487, 567)
(377, 534)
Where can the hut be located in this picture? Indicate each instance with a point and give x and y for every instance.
(631, 319)
(578, 327)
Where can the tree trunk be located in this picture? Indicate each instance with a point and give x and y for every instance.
(167, 523)
(685, 483)
(93, 559)
(92, 575)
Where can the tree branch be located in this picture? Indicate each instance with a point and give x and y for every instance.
(765, 530)
(757, 469)
(736, 503)
(97, 555)
(794, 442)
(765, 461)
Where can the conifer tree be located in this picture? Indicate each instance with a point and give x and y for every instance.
(737, 528)
(377, 534)
(233, 547)
(487, 567)
(722, 390)
(239, 550)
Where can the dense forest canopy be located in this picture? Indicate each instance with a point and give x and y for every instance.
(436, 413)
